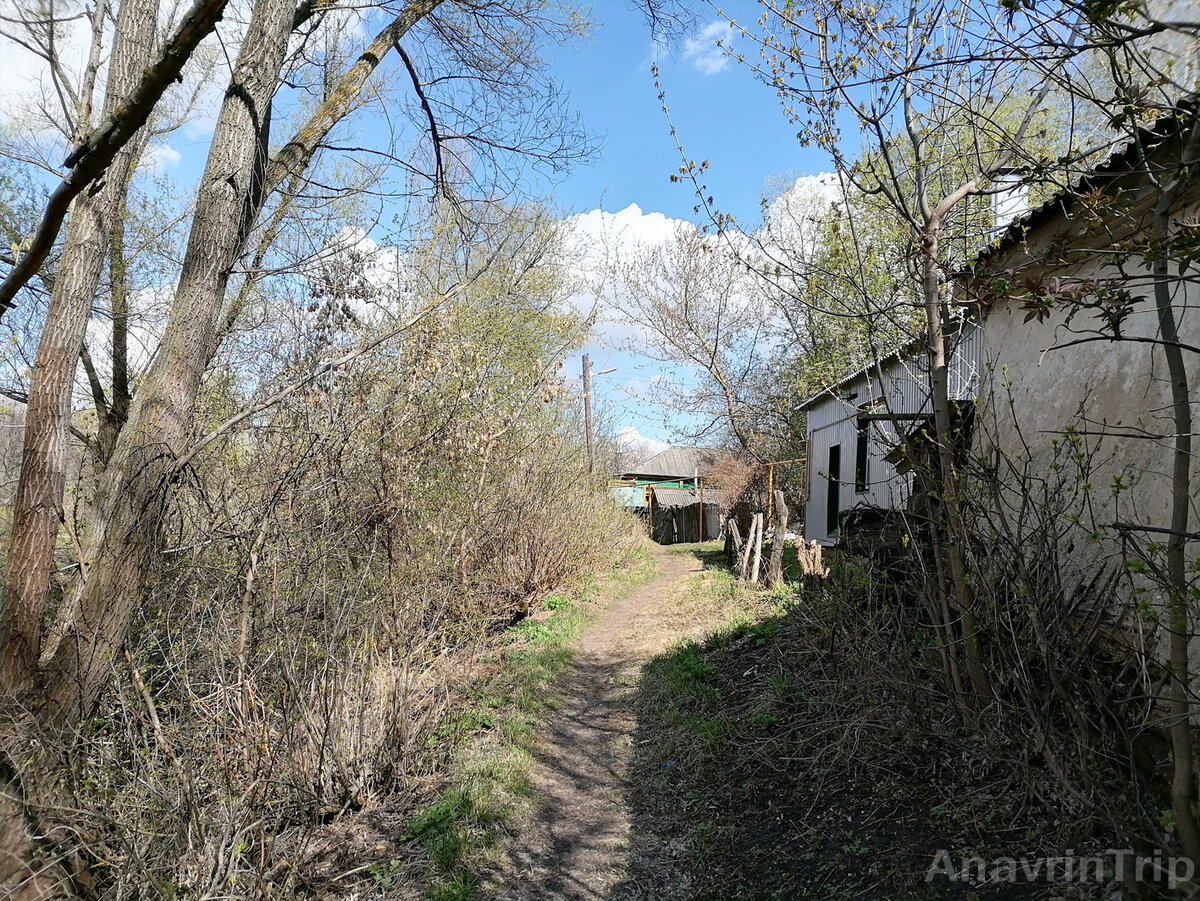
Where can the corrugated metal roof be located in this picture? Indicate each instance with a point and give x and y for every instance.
(677, 463)
(965, 328)
(674, 497)
(1123, 160)
(681, 497)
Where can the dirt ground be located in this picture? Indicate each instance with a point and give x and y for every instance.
(575, 846)
(670, 770)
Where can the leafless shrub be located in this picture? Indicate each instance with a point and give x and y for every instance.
(327, 577)
(555, 526)
(1073, 657)
(1070, 750)
(734, 477)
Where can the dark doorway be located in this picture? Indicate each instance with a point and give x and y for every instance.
(833, 495)
(862, 479)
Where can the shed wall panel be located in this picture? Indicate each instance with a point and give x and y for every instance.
(900, 387)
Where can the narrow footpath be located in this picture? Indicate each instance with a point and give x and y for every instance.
(575, 846)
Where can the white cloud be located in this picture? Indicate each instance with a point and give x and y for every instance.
(628, 227)
(159, 156)
(596, 242)
(793, 221)
(707, 50)
(635, 442)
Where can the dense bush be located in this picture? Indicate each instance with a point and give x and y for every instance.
(331, 569)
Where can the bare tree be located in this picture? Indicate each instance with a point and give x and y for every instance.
(56, 659)
(698, 305)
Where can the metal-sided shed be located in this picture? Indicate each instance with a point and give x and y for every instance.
(855, 424)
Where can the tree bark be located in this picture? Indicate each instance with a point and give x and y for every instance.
(733, 541)
(38, 503)
(946, 620)
(778, 542)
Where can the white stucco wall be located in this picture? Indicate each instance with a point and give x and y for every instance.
(1115, 394)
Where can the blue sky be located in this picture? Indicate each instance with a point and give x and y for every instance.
(722, 115)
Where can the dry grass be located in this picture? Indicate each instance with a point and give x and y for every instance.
(809, 749)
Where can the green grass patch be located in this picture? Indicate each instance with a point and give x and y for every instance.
(685, 671)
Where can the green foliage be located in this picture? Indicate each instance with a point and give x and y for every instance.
(556, 602)
(385, 875)
(454, 727)
(458, 887)
(686, 670)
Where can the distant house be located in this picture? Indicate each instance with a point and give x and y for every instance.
(1026, 381)
(668, 490)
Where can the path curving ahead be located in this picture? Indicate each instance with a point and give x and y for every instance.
(575, 846)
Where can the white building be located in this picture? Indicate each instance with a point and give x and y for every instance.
(854, 425)
(1036, 377)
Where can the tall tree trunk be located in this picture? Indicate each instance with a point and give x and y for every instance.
(38, 503)
(945, 619)
(939, 383)
(131, 496)
(733, 542)
(743, 569)
(1183, 782)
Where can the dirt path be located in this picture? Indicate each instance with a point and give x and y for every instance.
(575, 846)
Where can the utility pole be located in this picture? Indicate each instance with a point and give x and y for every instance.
(587, 414)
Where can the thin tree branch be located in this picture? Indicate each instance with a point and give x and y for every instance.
(1191, 348)
(93, 378)
(1131, 527)
(23, 399)
(296, 153)
(439, 171)
(93, 156)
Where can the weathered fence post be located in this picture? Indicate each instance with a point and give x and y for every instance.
(759, 527)
(810, 558)
(747, 550)
(778, 542)
(733, 541)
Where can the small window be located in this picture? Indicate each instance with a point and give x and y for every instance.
(861, 475)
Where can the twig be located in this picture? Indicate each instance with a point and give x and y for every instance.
(151, 711)
(94, 155)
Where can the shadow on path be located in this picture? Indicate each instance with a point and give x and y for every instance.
(576, 844)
